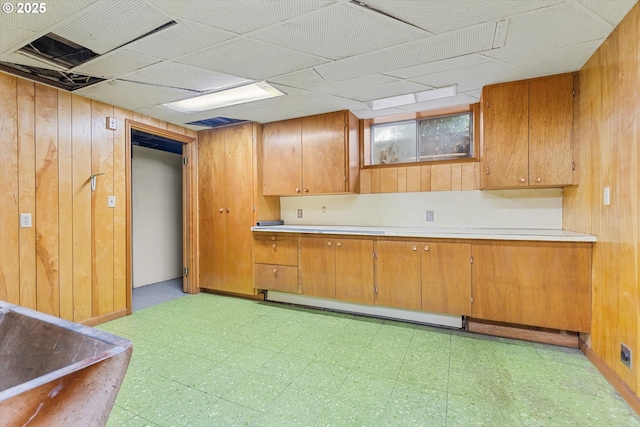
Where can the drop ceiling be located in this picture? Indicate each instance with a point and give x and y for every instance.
(325, 55)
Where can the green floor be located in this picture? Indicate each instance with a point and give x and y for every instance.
(207, 360)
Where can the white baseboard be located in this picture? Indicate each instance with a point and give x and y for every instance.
(368, 310)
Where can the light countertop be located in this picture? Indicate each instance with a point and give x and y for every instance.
(533, 234)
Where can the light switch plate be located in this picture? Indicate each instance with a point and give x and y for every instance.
(607, 196)
(111, 201)
(112, 123)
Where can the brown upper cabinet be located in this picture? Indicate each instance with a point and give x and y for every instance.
(311, 155)
(527, 130)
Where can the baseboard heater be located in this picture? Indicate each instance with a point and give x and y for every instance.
(413, 316)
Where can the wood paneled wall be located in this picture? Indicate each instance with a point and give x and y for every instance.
(72, 262)
(609, 157)
(402, 179)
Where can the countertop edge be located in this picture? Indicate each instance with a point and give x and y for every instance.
(546, 235)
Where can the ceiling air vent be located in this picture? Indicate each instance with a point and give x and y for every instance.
(217, 122)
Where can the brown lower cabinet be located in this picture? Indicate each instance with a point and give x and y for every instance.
(545, 284)
(542, 284)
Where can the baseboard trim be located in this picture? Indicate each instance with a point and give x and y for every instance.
(413, 316)
(610, 375)
(258, 296)
(104, 318)
(523, 333)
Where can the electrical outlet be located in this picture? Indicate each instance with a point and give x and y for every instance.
(430, 216)
(111, 201)
(299, 213)
(625, 355)
(25, 220)
(607, 196)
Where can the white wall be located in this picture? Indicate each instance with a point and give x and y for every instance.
(156, 193)
(530, 208)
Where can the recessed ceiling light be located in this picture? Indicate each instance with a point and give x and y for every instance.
(412, 98)
(225, 98)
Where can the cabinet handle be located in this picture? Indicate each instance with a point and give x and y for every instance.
(228, 210)
(522, 180)
(426, 248)
(221, 210)
(328, 243)
(538, 179)
(297, 190)
(339, 244)
(273, 238)
(415, 248)
(274, 246)
(275, 271)
(306, 190)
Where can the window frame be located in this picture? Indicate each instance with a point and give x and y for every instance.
(366, 124)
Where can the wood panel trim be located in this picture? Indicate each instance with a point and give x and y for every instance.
(523, 333)
(93, 321)
(609, 374)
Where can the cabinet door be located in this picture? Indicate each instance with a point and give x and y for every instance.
(506, 135)
(272, 249)
(212, 209)
(550, 131)
(324, 149)
(446, 278)
(317, 267)
(282, 162)
(354, 270)
(545, 284)
(238, 213)
(276, 277)
(397, 272)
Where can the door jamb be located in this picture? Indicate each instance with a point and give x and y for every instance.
(189, 205)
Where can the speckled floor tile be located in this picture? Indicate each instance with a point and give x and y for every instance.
(219, 380)
(256, 391)
(224, 413)
(284, 367)
(183, 405)
(412, 405)
(253, 363)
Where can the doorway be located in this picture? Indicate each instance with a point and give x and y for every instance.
(158, 216)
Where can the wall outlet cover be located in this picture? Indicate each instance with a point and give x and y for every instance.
(625, 355)
(111, 201)
(430, 216)
(299, 213)
(25, 220)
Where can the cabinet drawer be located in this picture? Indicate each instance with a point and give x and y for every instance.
(276, 277)
(272, 249)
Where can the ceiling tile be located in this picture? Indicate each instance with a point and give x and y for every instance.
(557, 61)
(239, 16)
(251, 59)
(19, 58)
(438, 66)
(374, 91)
(460, 99)
(550, 28)
(440, 16)
(111, 24)
(612, 11)
(130, 95)
(340, 31)
(183, 76)
(55, 12)
(303, 79)
(473, 78)
(115, 64)
(179, 40)
(12, 39)
(434, 48)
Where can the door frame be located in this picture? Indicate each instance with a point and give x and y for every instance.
(189, 205)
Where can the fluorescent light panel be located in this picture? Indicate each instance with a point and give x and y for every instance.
(225, 98)
(412, 98)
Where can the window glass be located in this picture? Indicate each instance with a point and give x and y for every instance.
(443, 138)
(394, 143)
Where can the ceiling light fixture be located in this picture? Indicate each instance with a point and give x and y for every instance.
(224, 98)
(413, 98)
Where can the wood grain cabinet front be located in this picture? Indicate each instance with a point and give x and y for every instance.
(275, 277)
(527, 131)
(274, 249)
(446, 277)
(311, 155)
(545, 284)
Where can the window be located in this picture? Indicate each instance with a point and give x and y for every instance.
(423, 140)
